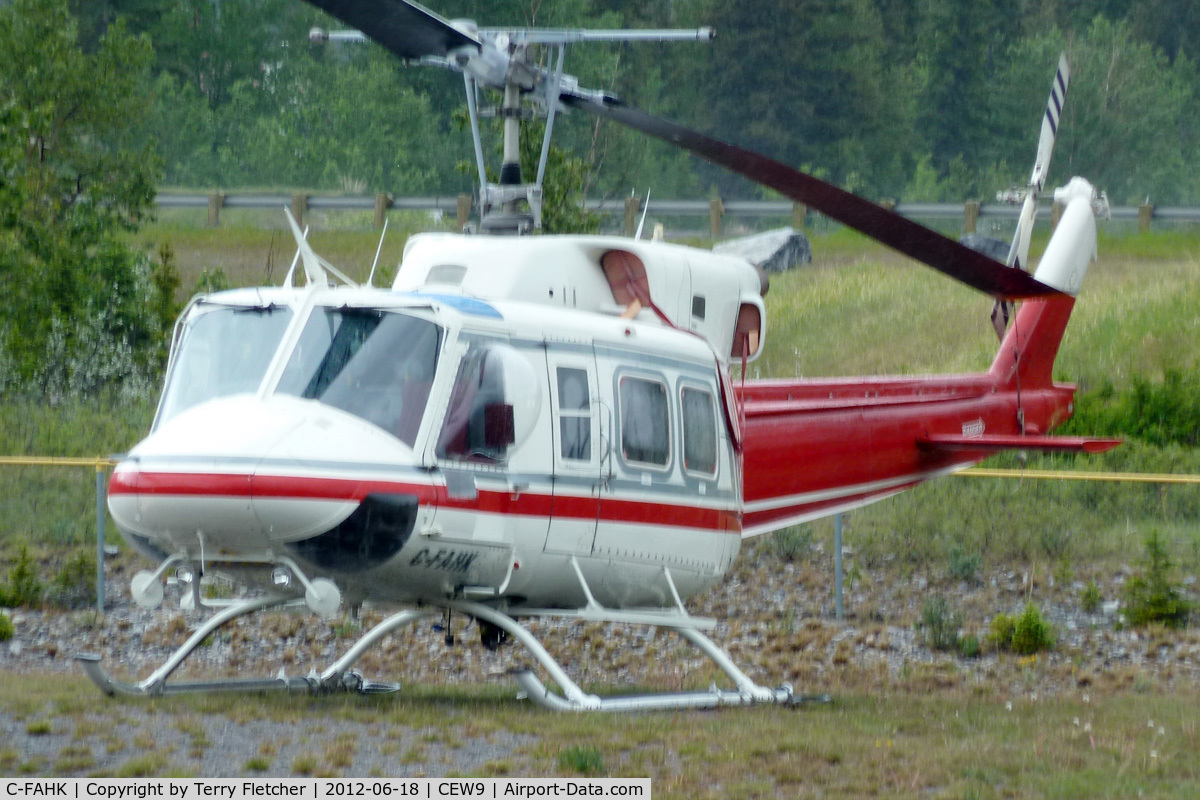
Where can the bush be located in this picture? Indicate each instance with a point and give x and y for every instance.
(1090, 600)
(792, 544)
(1032, 633)
(1158, 413)
(1152, 597)
(6, 628)
(1025, 635)
(1000, 632)
(74, 585)
(23, 588)
(939, 624)
(964, 566)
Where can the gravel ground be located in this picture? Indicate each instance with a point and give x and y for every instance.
(142, 742)
(776, 620)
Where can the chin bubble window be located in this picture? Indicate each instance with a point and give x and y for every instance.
(494, 405)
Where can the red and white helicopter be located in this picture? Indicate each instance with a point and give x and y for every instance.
(545, 426)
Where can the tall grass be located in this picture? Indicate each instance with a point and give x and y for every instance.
(254, 247)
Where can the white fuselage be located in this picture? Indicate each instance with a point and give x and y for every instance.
(417, 446)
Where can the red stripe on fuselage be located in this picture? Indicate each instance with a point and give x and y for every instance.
(755, 519)
(517, 503)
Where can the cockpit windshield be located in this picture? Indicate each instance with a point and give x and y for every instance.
(223, 351)
(377, 365)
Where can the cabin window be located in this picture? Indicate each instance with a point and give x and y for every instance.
(699, 431)
(574, 414)
(645, 422)
(374, 364)
(223, 352)
(494, 404)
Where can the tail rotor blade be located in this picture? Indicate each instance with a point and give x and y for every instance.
(1018, 255)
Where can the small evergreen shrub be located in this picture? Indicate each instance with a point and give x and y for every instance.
(23, 589)
(1152, 597)
(6, 628)
(1031, 632)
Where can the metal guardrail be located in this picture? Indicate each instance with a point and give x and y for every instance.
(713, 209)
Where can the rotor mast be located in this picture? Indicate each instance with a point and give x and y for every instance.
(495, 58)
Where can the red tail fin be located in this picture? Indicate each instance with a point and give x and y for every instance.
(1026, 356)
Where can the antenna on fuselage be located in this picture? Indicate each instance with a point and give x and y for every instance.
(642, 221)
(378, 250)
(316, 269)
(287, 279)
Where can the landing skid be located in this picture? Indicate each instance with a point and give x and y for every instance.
(340, 677)
(575, 699)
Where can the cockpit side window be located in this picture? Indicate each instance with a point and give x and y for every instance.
(494, 404)
(222, 352)
(375, 364)
(574, 414)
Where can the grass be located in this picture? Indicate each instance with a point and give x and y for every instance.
(986, 741)
(861, 309)
(254, 247)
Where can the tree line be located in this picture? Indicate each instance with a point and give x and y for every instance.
(102, 101)
(909, 100)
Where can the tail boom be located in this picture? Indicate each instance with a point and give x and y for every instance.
(816, 447)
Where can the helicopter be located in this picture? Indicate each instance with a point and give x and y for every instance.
(527, 427)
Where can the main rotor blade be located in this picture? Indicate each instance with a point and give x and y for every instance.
(405, 28)
(910, 238)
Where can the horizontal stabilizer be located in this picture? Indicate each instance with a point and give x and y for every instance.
(953, 442)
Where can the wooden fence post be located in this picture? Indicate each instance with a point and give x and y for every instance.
(299, 206)
(633, 204)
(383, 201)
(799, 212)
(1145, 214)
(970, 215)
(465, 202)
(716, 210)
(215, 202)
(1056, 212)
